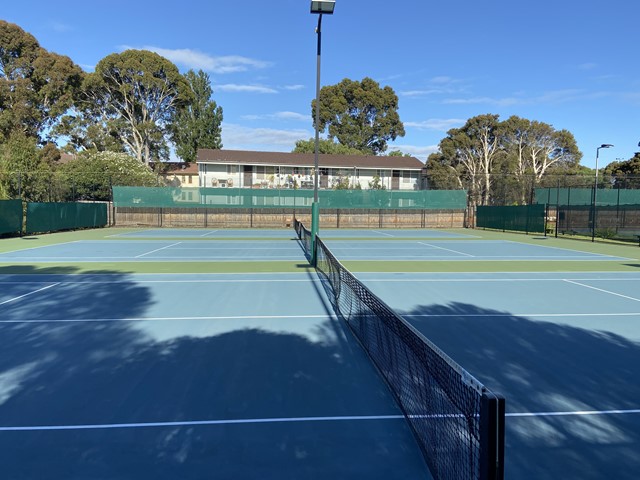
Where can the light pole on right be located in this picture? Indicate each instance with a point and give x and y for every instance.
(595, 192)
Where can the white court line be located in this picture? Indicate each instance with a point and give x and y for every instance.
(159, 319)
(567, 249)
(228, 280)
(576, 413)
(200, 422)
(41, 246)
(482, 280)
(241, 248)
(447, 249)
(489, 315)
(289, 420)
(383, 233)
(604, 291)
(208, 233)
(30, 293)
(158, 249)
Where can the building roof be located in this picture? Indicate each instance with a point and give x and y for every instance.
(180, 168)
(243, 157)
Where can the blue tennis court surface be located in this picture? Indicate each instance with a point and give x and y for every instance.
(286, 233)
(164, 376)
(563, 348)
(265, 250)
(155, 250)
(189, 376)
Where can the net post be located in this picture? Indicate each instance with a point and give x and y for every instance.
(315, 217)
(492, 415)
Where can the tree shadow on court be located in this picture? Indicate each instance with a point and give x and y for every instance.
(68, 358)
(548, 367)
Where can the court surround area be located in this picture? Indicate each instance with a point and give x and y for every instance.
(183, 353)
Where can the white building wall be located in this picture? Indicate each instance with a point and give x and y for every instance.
(268, 176)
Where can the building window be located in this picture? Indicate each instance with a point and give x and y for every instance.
(409, 177)
(190, 179)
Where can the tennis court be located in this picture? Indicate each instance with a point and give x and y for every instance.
(180, 376)
(183, 372)
(564, 349)
(257, 245)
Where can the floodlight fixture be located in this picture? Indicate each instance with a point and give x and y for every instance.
(595, 193)
(323, 6)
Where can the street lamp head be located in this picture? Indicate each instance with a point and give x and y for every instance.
(606, 145)
(323, 6)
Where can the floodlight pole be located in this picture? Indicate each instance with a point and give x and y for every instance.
(595, 192)
(317, 7)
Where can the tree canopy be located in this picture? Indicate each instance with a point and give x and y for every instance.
(625, 174)
(36, 86)
(92, 174)
(198, 125)
(485, 150)
(136, 94)
(325, 147)
(360, 115)
(24, 170)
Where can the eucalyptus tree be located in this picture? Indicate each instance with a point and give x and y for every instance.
(136, 95)
(36, 86)
(469, 153)
(360, 115)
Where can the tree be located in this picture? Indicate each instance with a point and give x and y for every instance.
(325, 147)
(398, 153)
(199, 124)
(469, 153)
(626, 174)
(23, 171)
(36, 86)
(360, 115)
(539, 146)
(91, 175)
(534, 148)
(136, 94)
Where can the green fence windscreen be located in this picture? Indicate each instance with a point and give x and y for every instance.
(525, 218)
(52, 217)
(167, 197)
(584, 196)
(10, 216)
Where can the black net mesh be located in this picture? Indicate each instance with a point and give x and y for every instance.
(443, 403)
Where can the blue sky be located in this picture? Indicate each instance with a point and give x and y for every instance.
(572, 64)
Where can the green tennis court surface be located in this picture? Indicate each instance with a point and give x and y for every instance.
(201, 353)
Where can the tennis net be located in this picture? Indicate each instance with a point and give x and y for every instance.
(457, 421)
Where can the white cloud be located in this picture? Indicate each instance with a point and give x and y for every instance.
(503, 102)
(421, 93)
(293, 87)
(437, 86)
(438, 124)
(419, 152)
(202, 61)
(279, 116)
(233, 87)
(268, 139)
(443, 80)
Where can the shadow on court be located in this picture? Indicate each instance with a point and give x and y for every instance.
(546, 367)
(57, 369)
